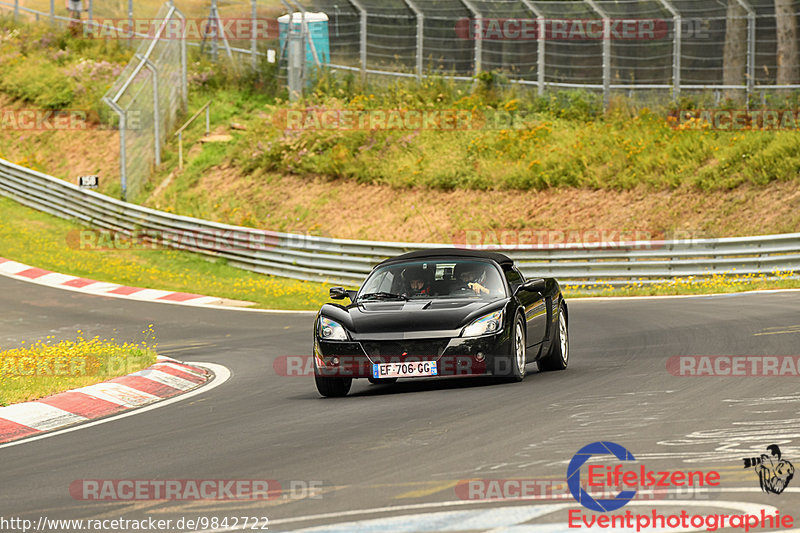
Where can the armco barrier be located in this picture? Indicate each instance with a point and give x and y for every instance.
(348, 261)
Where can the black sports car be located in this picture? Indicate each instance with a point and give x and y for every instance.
(440, 312)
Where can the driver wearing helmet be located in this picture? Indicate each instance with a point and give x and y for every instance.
(473, 275)
(416, 283)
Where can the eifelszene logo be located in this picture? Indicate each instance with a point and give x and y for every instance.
(774, 473)
(603, 478)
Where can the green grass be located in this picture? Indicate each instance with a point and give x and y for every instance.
(44, 241)
(559, 140)
(47, 367)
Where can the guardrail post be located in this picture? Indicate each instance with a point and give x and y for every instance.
(541, 37)
(420, 35)
(16, 9)
(477, 35)
(606, 51)
(53, 11)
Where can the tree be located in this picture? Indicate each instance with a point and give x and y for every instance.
(735, 52)
(786, 29)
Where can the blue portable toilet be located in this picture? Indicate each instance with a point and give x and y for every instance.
(317, 29)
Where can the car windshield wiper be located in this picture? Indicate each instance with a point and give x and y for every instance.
(382, 296)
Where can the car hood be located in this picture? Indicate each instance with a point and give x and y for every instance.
(419, 317)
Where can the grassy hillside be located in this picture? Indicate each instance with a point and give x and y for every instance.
(559, 162)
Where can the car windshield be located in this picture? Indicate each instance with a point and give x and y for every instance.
(442, 278)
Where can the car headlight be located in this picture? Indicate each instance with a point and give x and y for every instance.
(491, 323)
(330, 330)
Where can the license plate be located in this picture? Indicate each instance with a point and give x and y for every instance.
(404, 370)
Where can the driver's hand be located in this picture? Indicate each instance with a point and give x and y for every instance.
(478, 288)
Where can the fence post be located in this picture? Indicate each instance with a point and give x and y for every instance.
(540, 40)
(184, 89)
(420, 34)
(606, 51)
(362, 37)
(253, 44)
(123, 175)
(52, 11)
(677, 23)
(751, 47)
(295, 52)
(16, 9)
(478, 52)
(156, 111)
(90, 12)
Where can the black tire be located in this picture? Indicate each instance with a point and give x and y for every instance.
(517, 355)
(557, 357)
(333, 387)
(382, 381)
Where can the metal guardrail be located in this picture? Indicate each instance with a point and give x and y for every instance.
(347, 261)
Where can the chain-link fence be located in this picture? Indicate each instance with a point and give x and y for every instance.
(147, 97)
(738, 46)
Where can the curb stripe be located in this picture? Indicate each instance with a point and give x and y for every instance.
(82, 404)
(78, 282)
(165, 379)
(188, 376)
(40, 416)
(126, 290)
(176, 382)
(145, 385)
(118, 393)
(11, 430)
(54, 279)
(180, 296)
(33, 273)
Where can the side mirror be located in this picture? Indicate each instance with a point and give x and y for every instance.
(534, 285)
(338, 293)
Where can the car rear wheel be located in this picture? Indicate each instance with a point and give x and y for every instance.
(518, 351)
(558, 356)
(382, 381)
(333, 387)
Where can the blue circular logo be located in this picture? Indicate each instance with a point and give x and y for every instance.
(574, 476)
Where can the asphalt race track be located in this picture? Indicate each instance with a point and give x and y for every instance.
(400, 450)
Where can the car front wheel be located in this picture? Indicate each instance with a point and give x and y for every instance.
(558, 356)
(333, 387)
(517, 355)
